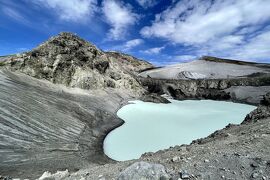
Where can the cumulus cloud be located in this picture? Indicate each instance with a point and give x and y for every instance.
(119, 16)
(71, 10)
(155, 50)
(147, 3)
(212, 26)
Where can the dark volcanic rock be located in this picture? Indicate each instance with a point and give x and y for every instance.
(102, 66)
(266, 100)
(262, 112)
(155, 98)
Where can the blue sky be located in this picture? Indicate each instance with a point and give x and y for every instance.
(160, 31)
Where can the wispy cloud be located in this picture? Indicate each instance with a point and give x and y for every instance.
(131, 44)
(183, 58)
(15, 15)
(155, 50)
(127, 46)
(119, 16)
(165, 59)
(71, 10)
(147, 3)
(257, 48)
(214, 27)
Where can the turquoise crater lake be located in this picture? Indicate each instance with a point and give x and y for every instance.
(150, 127)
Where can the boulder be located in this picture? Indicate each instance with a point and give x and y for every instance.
(155, 98)
(266, 99)
(144, 171)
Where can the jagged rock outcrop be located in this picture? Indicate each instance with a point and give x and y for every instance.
(262, 112)
(69, 60)
(155, 98)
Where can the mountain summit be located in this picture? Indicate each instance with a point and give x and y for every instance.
(67, 59)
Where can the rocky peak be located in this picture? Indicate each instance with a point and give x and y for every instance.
(66, 39)
(67, 59)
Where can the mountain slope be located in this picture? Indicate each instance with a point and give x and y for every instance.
(208, 68)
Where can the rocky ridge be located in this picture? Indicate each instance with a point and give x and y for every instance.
(69, 60)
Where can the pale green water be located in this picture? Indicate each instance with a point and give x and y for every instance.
(150, 127)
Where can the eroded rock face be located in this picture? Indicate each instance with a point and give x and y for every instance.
(69, 60)
(238, 90)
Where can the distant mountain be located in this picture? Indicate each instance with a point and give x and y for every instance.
(209, 68)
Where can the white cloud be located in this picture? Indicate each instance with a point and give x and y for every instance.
(183, 58)
(119, 16)
(211, 26)
(147, 3)
(14, 14)
(71, 10)
(165, 60)
(256, 49)
(155, 50)
(132, 43)
(127, 46)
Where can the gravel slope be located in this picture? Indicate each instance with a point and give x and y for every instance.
(44, 126)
